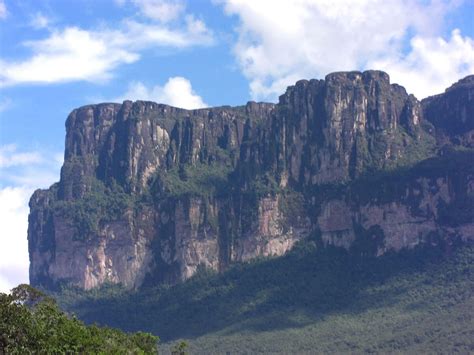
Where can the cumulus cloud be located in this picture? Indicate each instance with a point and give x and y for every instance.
(432, 65)
(73, 53)
(280, 42)
(176, 92)
(21, 172)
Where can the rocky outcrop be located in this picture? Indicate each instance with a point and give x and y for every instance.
(338, 128)
(151, 193)
(452, 113)
(428, 204)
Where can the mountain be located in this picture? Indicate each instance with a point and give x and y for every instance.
(311, 300)
(150, 194)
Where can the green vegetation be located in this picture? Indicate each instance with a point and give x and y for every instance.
(418, 149)
(180, 348)
(407, 149)
(390, 185)
(263, 184)
(31, 322)
(293, 207)
(198, 180)
(102, 202)
(310, 300)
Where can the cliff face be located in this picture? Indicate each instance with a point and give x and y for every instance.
(452, 113)
(150, 193)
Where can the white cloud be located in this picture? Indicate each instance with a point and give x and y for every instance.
(282, 41)
(28, 168)
(9, 156)
(160, 10)
(432, 65)
(14, 260)
(138, 36)
(21, 172)
(73, 54)
(176, 92)
(3, 10)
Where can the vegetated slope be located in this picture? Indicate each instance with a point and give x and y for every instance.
(311, 299)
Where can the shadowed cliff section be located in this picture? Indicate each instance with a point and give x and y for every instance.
(452, 113)
(150, 193)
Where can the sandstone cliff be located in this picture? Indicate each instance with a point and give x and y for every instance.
(150, 193)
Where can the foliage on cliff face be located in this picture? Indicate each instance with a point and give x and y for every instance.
(198, 180)
(31, 322)
(100, 203)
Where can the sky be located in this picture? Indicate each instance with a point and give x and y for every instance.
(57, 55)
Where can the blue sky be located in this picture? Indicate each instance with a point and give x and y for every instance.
(56, 55)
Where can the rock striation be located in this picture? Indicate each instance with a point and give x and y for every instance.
(151, 193)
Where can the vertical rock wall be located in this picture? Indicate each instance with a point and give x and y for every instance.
(150, 193)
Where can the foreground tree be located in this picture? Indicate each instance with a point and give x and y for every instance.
(31, 322)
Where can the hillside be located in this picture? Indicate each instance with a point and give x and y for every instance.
(310, 300)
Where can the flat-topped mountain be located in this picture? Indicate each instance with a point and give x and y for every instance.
(151, 193)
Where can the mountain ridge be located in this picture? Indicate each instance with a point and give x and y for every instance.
(150, 193)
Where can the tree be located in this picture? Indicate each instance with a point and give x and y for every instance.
(180, 348)
(31, 322)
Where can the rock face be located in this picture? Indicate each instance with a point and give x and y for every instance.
(151, 193)
(452, 113)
